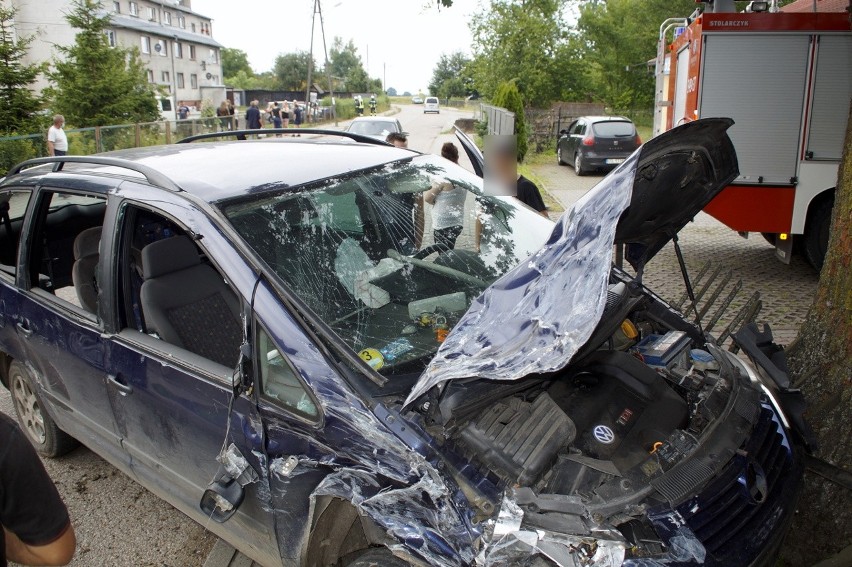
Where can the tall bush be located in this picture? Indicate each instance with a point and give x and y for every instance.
(508, 97)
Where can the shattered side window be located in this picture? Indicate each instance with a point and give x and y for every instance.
(390, 258)
(278, 381)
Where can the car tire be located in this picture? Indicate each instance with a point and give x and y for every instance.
(578, 165)
(375, 557)
(816, 233)
(559, 160)
(36, 423)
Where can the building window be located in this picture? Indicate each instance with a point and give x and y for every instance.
(193, 81)
(167, 18)
(151, 14)
(110, 37)
(214, 55)
(179, 80)
(162, 47)
(150, 76)
(192, 52)
(182, 22)
(166, 77)
(134, 9)
(178, 50)
(146, 44)
(116, 7)
(193, 27)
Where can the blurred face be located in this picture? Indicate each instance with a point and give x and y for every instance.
(401, 143)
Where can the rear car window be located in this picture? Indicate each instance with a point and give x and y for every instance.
(614, 129)
(432, 100)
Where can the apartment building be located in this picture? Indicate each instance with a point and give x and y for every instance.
(175, 43)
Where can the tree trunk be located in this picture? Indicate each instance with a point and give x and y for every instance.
(821, 365)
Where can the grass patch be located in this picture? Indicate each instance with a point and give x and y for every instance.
(552, 204)
(645, 132)
(541, 158)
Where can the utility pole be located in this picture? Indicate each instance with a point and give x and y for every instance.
(310, 65)
(327, 66)
(384, 78)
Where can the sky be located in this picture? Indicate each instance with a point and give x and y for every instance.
(401, 38)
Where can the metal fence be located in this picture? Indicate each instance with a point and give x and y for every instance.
(500, 121)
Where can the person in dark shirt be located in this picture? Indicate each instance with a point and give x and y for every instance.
(35, 522)
(528, 193)
(253, 117)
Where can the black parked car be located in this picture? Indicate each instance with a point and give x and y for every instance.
(597, 142)
(275, 352)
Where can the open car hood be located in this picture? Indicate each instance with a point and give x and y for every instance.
(537, 316)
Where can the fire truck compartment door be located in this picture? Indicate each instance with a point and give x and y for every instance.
(759, 81)
(832, 91)
(681, 79)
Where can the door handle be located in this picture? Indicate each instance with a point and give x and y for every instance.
(24, 329)
(124, 389)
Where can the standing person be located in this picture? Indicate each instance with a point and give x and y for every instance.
(398, 139)
(276, 116)
(57, 141)
(33, 518)
(253, 117)
(447, 202)
(224, 113)
(297, 115)
(373, 104)
(285, 115)
(359, 105)
(502, 161)
(416, 221)
(183, 112)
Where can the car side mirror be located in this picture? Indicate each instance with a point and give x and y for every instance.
(221, 499)
(563, 132)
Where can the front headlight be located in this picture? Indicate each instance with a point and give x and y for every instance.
(748, 368)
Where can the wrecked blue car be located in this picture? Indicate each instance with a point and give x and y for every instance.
(298, 358)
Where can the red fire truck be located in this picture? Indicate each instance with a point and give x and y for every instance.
(786, 80)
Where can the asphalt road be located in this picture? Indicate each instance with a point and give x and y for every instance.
(119, 523)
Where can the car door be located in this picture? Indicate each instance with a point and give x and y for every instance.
(567, 142)
(63, 342)
(576, 137)
(175, 408)
(13, 208)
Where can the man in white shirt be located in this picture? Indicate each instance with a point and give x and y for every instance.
(57, 142)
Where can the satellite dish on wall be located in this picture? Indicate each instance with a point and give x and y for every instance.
(209, 75)
(158, 47)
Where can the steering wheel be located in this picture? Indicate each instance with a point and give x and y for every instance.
(432, 248)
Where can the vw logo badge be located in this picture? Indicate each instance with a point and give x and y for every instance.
(603, 434)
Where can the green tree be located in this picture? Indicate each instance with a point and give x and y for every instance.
(357, 80)
(291, 70)
(343, 58)
(234, 61)
(518, 40)
(615, 39)
(451, 77)
(18, 104)
(391, 91)
(95, 84)
(508, 97)
(250, 81)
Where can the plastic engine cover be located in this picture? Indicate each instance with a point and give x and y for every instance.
(621, 407)
(518, 440)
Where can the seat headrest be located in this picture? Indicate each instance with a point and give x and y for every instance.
(168, 255)
(87, 243)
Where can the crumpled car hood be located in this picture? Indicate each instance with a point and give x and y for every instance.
(538, 315)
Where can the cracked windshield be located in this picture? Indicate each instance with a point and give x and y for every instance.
(390, 258)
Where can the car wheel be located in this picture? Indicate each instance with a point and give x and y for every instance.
(816, 233)
(578, 165)
(559, 160)
(41, 430)
(375, 557)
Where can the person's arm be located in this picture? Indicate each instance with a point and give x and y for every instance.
(58, 552)
(51, 139)
(544, 214)
(50, 148)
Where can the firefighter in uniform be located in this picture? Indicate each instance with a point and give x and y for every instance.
(373, 104)
(359, 106)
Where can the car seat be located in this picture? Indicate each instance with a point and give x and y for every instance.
(187, 303)
(83, 272)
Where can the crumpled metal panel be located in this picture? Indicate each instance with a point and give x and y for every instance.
(536, 317)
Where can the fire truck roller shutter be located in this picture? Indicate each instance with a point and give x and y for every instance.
(760, 83)
(832, 91)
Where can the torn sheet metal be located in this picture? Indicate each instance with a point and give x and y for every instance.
(535, 317)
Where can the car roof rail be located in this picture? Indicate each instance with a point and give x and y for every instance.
(290, 131)
(153, 176)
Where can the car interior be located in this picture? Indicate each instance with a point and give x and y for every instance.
(171, 291)
(13, 206)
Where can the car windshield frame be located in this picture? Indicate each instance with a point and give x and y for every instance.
(355, 272)
(379, 127)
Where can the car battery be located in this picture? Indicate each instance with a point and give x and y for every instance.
(663, 352)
